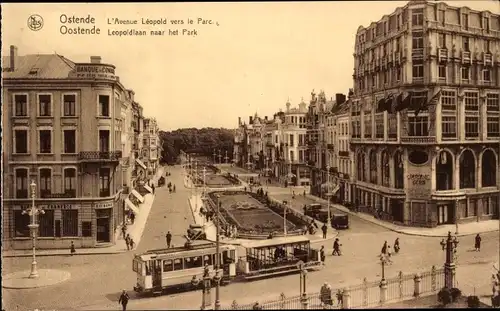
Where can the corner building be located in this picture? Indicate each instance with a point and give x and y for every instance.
(440, 165)
(63, 128)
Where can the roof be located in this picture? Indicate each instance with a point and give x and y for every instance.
(49, 66)
(275, 241)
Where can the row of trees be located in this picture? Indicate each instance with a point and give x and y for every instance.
(192, 140)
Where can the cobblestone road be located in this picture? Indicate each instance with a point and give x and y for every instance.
(97, 280)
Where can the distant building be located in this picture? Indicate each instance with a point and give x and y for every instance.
(151, 146)
(425, 116)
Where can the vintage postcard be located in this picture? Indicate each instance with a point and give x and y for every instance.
(250, 155)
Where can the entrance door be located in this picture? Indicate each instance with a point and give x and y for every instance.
(157, 275)
(442, 214)
(103, 230)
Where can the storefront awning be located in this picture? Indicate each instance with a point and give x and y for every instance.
(138, 196)
(131, 206)
(141, 163)
(148, 188)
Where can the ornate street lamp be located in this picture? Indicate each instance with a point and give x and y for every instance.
(450, 246)
(206, 287)
(303, 279)
(33, 212)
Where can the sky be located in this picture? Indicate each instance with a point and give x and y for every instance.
(257, 57)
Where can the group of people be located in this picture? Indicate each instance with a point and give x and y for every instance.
(231, 231)
(129, 242)
(386, 251)
(171, 187)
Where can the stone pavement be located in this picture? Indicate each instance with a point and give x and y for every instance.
(46, 277)
(467, 229)
(135, 230)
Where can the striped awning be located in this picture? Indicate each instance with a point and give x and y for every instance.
(131, 206)
(138, 195)
(148, 188)
(141, 163)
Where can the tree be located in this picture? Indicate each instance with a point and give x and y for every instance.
(202, 141)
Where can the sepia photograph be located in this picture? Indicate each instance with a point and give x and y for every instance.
(250, 155)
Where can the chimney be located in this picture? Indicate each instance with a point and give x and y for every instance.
(340, 98)
(239, 121)
(265, 118)
(250, 119)
(13, 56)
(95, 59)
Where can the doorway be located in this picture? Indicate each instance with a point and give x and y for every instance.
(157, 266)
(443, 214)
(103, 230)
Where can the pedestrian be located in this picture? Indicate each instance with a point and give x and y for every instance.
(127, 241)
(174, 188)
(124, 230)
(72, 248)
(322, 254)
(304, 193)
(168, 237)
(124, 300)
(324, 229)
(384, 248)
(326, 294)
(132, 243)
(396, 246)
(153, 187)
(388, 257)
(477, 244)
(336, 247)
(132, 217)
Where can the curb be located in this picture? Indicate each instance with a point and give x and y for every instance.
(68, 254)
(345, 210)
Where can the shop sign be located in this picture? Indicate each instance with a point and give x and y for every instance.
(58, 206)
(103, 205)
(419, 182)
(93, 71)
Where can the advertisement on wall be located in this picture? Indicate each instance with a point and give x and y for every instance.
(419, 182)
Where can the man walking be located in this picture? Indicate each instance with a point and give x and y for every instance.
(324, 229)
(168, 236)
(477, 243)
(336, 247)
(124, 300)
(322, 254)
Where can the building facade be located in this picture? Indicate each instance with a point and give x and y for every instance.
(65, 124)
(425, 115)
(151, 147)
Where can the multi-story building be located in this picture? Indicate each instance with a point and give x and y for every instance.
(426, 114)
(64, 130)
(151, 145)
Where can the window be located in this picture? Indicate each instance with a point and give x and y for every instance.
(448, 100)
(379, 125)
(70, 181)
(442, 17)
(392, 126)
(486, 23)
(418, 71)
(368, 126)
(465, 73)
(417, 17)
(442, 72)
(45, 141)
(104, 182)
(493, 115)
(291, 140)
(489, 169)
(486, 46)
(385, 169)
(207, 260)
(178, 264)
(486, 75)
(69, 141)
(168, 265)
(44, 105)
(449, 127)
(69, 105)
(471, 101)
(45, 182)
(20, 105)
(417, 40)
(292, 156)
(442, 40)
(21, 183)
(46, 222)
(471, 127)
(465, 20)
(418, 126)
(21, 222)
(104, 105)
(104, 140)
(69, 222)
(86, 228)
(398, 74)
(465, 44)
(193, 262)
(20, 141)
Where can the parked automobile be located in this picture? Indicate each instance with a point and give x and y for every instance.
(340, 221)
(318, 212)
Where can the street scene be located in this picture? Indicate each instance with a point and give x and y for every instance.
(257, 173)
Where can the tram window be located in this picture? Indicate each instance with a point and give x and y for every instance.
(207, 260)
(168, 265)
(134, 266)
(193, 262)
(148, 268)
(178, 264)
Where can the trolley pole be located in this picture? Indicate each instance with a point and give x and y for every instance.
(217, 251)
(284, 217)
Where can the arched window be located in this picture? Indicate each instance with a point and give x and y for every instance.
(399, 170)
(467, 170)
(361, 166)
(489, 169)
(444, 171)
(373, 167)
(386, 180)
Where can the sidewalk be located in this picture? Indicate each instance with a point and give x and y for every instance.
(472, 228)
(135, 230)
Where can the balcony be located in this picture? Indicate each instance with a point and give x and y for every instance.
(269, 144)
(487, 59)
(343, 153)
(442, 55)
(100, 156)
(329, 146)
(418, 140)
(466, 57)
(397, 57)
(65, 195)
(312, 143)
(417, 53)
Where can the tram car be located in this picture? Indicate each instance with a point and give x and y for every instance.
(178, 267)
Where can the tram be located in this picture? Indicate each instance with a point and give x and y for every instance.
(163, 269)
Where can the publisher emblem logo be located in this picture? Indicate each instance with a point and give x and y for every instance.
(35, 22)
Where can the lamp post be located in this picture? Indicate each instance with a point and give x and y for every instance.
(284, 217)
(226, 157)
(383, 282)
(33, 212)
(220, 157)
(204, 181)
(217, 259)
(206, 286)
(450, 246)
(214, 156)
(303, 279)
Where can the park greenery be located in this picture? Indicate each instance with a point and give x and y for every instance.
(203, 141)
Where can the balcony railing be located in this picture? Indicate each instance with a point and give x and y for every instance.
(418, 139)
(329, 146)
(417, 52)
(442, 55)
(343, 153)
(466, 57)
(95, 156)
(65, 195)
(487, 59)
